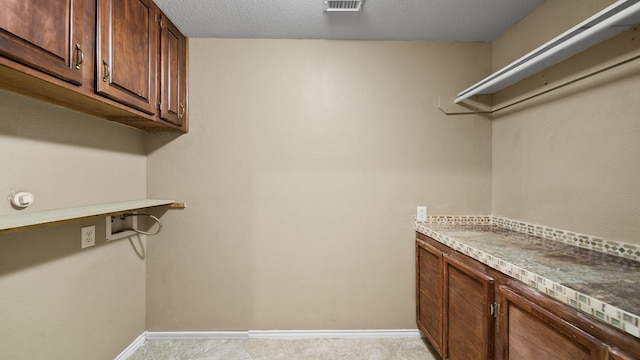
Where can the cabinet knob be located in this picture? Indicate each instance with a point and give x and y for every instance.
(80, 57)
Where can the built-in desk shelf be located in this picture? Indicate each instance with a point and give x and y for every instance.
(21, 221)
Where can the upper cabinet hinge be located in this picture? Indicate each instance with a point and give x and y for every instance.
(494, 308)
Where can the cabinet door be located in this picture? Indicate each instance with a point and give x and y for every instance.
(528, 331)
(126, 52)
(615, 354)
(468, 324)
(429, 293)
(45, 35)
(173, 73)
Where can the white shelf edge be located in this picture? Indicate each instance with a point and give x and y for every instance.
(614, 19)
(23, 220)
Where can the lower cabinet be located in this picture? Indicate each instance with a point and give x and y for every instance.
(617, 355)
(454, 302)
(529, 331)
(468, 310)
(429, 262)
(468, 322)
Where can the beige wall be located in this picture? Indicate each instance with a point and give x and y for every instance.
(301, 174)
(57, 301)
(571, 158)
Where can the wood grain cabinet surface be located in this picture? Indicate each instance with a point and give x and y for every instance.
(121, 60)
(529, 331)
(55, 46)
(173, 74)
(429, 297)
(468, 310)
(468, 322)
(126, 52)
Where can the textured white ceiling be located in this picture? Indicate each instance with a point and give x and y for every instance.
(443, 20)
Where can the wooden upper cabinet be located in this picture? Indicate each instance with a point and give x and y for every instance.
(429, 293)
(173, 73)
(121, 60)
(528, 331)
(46, 35)
(468, 323)
(126, 52)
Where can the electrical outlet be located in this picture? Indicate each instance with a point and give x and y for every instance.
(88, 236)
(421, 214)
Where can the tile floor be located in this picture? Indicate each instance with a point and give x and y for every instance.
(287, 349)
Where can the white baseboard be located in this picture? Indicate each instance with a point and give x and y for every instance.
(265, 334)
(316, 334)
(195, 335)
(282, 334)
(135, 345)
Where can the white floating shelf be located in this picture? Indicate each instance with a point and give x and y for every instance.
(36, 219)
(614, 19)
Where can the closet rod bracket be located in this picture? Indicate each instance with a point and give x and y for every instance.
(477, 104)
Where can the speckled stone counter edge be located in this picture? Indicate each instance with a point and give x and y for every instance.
(616, 248)
(610, 314)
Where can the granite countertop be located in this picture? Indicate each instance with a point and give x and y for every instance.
(599, 284)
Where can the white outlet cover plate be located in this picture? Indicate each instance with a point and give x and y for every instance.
(87, 236)
(421, 214)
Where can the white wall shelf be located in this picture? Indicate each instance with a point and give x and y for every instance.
(23, 221)
(614, 19)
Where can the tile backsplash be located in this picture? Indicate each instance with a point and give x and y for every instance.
(616, 248)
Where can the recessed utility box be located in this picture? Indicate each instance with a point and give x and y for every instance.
(118, 226)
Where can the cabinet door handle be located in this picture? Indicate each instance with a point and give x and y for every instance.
(80, 56)
(106, 70)
(181, 111)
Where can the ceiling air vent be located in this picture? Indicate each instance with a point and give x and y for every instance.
(342, 5)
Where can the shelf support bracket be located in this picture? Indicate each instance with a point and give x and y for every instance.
(477, 104)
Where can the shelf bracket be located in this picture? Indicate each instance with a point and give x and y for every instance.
(477, 104)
